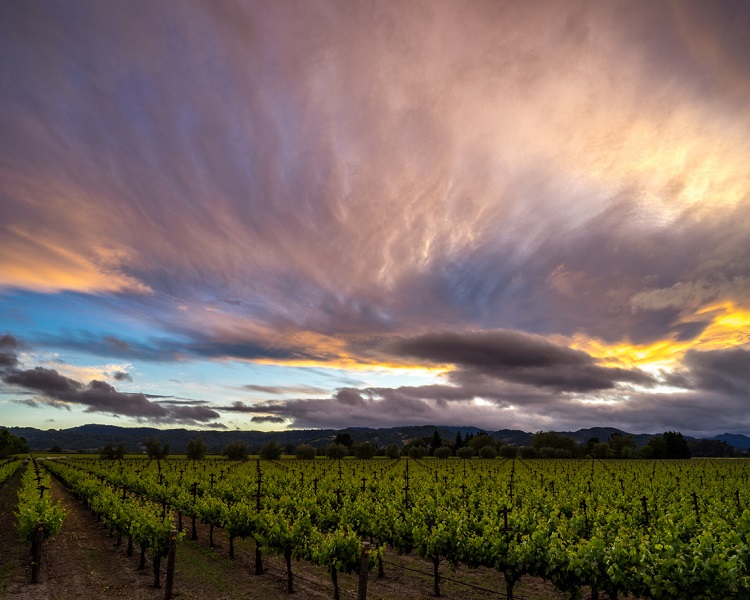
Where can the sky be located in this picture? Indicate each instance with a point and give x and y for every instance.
(267, 215)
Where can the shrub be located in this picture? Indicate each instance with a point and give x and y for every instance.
(443, 452)
(235, 451)
(271, 450)
(417, 452)
(336, 451)
(487, 452)
(196, 449)
(365, 450)
(305, 452)
(393, 451)
(465, 452)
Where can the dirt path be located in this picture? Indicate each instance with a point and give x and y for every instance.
(79, 562)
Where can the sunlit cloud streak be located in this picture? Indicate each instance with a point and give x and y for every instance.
(392, 186)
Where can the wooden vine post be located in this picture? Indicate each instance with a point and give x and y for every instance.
(364, 560)
(170, 564)
(36, 552)
(258, 555)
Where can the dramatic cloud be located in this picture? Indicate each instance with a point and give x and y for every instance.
(96, 396)
(9, 347)
(726, 371)
(122, 376)
(517, 357)
(548, 199)
(269, 419)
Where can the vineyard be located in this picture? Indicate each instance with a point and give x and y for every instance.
(615, 529)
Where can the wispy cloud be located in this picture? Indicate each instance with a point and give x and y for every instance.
(545, 196)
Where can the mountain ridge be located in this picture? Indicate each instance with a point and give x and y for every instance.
(91, 437)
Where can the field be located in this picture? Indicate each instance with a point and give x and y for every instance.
(462, 529)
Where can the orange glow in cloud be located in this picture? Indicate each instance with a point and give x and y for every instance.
(729, 328)
(30, 262)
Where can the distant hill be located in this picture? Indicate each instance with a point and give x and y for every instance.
(92, 437)
(739, 441)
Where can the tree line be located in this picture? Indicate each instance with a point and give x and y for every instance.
(544, 444)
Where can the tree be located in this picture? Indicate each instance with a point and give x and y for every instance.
(483, 440)
(336, 451)
(344, 439)
(459, 440)
(712, 448)
(417, 451)
(676, 445)
(393, 451)
(435, 442)
(465, 452)
(655, 448)
(621, 446)
(443, 452)
(235, 451)
(527, 452)
(588, 447)
(196, 449)
(554, 441)
(365, 450)
(414, 442)
(11, 444)
(271, 450)
(112, 452)
(488, 451)
(305, 452)
(155, 450)
(508, 451)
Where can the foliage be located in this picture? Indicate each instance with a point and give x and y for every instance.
(393, 451)
(668, 445)
(465, 452)
(483, 440)
(235, 451)
(36, 506)
(305, 452)
(443, 452)
(488, 452)
(11, 444)
(365, 450)
(112, 452)
(344, 439)
(155, 450)
(417, 452)
(336, 451)
(196, 449)
(271, 450)
(556, 441)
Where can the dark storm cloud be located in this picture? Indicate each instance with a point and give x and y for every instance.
(517, 357)
(723, 371)
(122, 376)
(269, 419)
(9, 347)
(57, 390)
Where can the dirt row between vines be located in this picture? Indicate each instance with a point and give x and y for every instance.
(82, 561)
